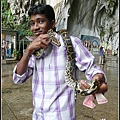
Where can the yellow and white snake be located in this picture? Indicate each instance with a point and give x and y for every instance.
(70, 63)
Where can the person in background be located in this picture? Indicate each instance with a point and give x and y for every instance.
(101, 55)
(3, 50)
(104, 54)
(53, 99)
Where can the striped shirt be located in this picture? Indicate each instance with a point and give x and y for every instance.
(52, 98)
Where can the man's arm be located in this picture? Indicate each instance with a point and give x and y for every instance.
(39, 42)
(23, 64)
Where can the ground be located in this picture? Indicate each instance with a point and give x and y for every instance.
(17, 99)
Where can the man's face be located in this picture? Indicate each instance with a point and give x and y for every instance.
(39, 24)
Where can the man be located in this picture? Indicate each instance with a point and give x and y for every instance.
(52, 98)
(101, 55)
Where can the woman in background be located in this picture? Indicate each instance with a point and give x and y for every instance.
(101, 55)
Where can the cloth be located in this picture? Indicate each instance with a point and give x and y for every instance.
(102, 52)
(89, 101)
(52, 98)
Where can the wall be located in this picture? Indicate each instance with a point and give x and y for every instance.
(81, 17)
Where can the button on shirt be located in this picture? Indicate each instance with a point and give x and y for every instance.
(52, 98)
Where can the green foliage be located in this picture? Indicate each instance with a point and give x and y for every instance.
(16, 53)
(9, 23)
(102, 32)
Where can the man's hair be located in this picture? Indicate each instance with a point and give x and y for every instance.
(47, 10)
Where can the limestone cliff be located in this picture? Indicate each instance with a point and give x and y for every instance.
(89, 17)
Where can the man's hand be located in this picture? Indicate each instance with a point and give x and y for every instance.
(84, 85)
(102, 87)
(40, 42)
(101, 80)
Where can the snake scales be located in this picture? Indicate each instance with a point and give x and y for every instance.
(70, 63)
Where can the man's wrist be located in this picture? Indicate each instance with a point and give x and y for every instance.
(28, 51)
(27, 55)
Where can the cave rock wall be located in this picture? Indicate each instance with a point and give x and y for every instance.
(81, 17)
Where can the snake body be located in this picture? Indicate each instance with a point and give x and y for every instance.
(70, 66)
(52, 39)
(70, 63)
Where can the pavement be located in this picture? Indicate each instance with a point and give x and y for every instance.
(17, 99)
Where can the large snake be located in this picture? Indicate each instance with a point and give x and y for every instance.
(70, 63)
(70, 66)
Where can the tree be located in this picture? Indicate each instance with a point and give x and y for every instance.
(9, 23)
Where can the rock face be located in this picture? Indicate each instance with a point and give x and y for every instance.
(81, 17)
(91, 17)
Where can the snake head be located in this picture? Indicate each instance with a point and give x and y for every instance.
(95, 84)
(53, 39)
(93, 88)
